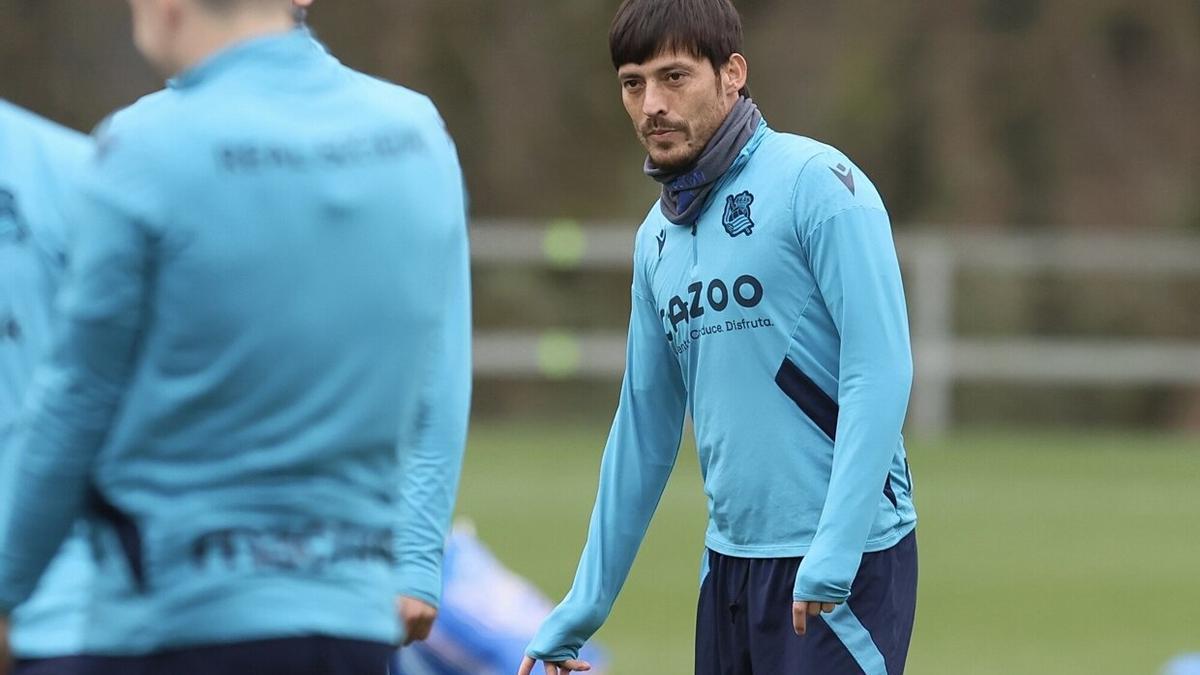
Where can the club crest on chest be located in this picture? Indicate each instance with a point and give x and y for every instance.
(736, 218)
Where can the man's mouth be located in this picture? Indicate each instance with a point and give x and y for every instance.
(660, 133)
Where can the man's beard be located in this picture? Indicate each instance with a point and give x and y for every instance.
(688, 146)
(679, 163)
(680, 156)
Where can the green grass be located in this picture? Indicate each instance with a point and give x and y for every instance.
(1040, 554)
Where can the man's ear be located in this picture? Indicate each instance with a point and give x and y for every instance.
(734, 73)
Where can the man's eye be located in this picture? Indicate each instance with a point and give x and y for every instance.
(675, 77)
(631, 84)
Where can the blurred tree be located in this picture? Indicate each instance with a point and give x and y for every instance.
(976, 113)
(981, 112)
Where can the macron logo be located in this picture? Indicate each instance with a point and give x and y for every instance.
(845, 175)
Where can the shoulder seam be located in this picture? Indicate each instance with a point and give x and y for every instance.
(801, 238)
(853, 207)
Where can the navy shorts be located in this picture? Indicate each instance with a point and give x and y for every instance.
(744, 618)
(69, 665)
(287, 656)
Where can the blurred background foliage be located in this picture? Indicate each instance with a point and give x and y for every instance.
(1031, 113)
(997, 115)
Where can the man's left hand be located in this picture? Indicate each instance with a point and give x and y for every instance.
(802, 610)
(416, 616)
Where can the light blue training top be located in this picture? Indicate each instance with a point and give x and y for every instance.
(262, 380)
(778, 323)
(40, 164)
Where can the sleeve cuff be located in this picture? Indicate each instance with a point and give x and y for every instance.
(805, 591)
(551, 656)
(816, 597)
(423, 585)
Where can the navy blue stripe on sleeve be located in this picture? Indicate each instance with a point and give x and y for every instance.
(812, 401)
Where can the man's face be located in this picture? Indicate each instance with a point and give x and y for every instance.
(677, 102)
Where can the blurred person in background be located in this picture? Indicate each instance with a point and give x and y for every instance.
(40, 164)
(1186, 664)
(768, 305)
(261, 378)
(480, 638)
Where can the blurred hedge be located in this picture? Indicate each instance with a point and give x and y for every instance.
(967, 114)
(976, 112)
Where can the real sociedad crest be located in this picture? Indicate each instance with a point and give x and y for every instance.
(737, 214)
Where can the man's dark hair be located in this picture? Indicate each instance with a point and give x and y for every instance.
(642, 29)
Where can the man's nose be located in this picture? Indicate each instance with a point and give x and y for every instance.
(654, 103)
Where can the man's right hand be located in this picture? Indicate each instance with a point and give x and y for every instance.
(417, 616)
(554, 667)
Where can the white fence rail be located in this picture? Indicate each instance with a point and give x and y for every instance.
(930, 262)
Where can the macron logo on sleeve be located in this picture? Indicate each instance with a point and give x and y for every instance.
(844, 174)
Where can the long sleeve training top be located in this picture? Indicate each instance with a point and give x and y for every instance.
(261, 383)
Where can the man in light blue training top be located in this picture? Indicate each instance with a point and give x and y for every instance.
(767, 304)
(261, 380)
(40, 164)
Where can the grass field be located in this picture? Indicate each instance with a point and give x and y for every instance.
(1040, 554)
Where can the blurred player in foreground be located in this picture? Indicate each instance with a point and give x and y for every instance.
(480, 638)
(261, 380)
(39, 168)
(767, 303)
